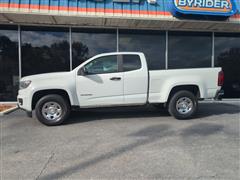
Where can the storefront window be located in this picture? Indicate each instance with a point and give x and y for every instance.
(227, 56)
(44, 50)
(9, 75)
(151, 43)
(189, 50)
(89, 42)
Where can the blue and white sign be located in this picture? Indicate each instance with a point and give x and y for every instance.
(206, 7)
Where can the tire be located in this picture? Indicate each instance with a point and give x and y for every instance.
(183, 105)
(52, 110)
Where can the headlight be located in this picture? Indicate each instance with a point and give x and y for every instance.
(24, 84)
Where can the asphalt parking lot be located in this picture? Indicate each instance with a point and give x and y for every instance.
(125, 143)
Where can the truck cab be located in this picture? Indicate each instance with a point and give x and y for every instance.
(113, 79)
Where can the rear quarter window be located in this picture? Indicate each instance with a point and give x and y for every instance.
(131, 62)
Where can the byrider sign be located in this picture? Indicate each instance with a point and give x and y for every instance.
(206, 7)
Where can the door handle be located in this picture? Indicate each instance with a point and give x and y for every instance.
(115, 79)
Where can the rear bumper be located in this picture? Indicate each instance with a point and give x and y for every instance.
(219, 94)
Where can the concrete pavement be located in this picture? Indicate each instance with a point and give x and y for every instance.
(125, 143)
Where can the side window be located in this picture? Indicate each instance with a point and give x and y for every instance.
(131, 62)
(103, 65)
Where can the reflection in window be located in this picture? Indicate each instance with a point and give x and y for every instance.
(189, 50)
(9, 75)
(151, 43)
(102, 65)
(87, 43)
(227, 56)
(44, 50)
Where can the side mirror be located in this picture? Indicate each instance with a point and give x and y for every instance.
(82, 71)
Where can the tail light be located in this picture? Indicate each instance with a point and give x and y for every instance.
(220, 78)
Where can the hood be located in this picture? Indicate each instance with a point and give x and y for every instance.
(46, 76)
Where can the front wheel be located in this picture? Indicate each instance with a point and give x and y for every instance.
(183, 105)
(52, 110)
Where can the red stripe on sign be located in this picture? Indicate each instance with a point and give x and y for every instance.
(13, 5)
(42, 7)
(24, 6)
(100, 9)
(118, 11)
(133, 11)
(4, 5)
(34, 6)
(236, 16)
(73, 9)
(82, 9)
(108, 11)
(55, 8)
(90, 9)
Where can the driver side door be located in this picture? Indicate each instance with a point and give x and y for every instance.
(101, 84)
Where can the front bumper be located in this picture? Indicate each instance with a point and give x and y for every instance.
(219, 94)
(24, 100)
(28, 113)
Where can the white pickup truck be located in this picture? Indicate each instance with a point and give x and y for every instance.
(117, 79)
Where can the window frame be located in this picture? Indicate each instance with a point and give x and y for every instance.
(14, 63)
(182, 34)
(84, 31)
(221, 35)
(161, 34)
(62, 33)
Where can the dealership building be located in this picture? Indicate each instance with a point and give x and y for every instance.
(40, 36)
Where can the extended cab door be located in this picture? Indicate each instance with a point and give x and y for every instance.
(101, 84)
(135, 77)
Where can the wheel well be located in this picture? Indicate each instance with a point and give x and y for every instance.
(192, 88)
(39, 94)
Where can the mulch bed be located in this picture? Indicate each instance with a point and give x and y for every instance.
(4, 107)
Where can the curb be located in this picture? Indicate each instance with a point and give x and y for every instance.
(222, 100)
(233, 100)
(8, 111)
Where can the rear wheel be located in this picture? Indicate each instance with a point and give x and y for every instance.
(52, 110)
(183, 105)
